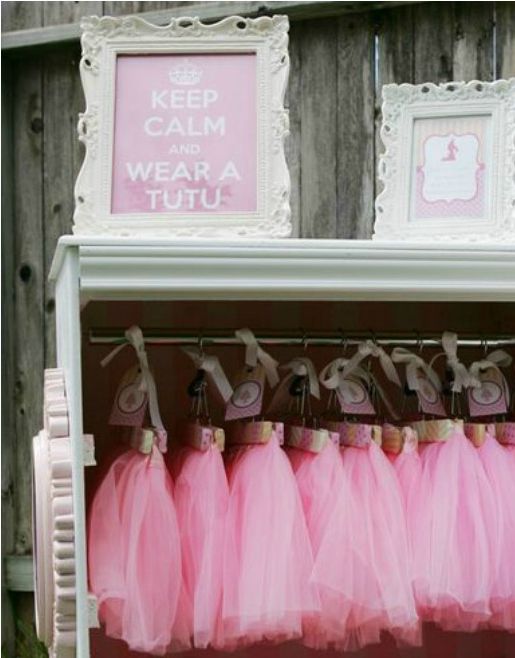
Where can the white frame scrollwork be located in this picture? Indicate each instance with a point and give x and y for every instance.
(404, 103)
(102, 40)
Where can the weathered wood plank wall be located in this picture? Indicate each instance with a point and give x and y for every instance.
(337, 68)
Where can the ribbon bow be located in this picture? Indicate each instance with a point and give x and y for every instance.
(212, 366)
(370, 348)
(462, 379)
(414, 363)
(302, 366)
(332, 376)
(254, 353)
(497, 359)
(134, 337)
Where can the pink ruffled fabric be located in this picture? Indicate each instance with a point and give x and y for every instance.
(362, 564)
(201, 499)
(267, 557)
(135, 556)
(454, 527)
(501, 474)
(408, 467)
(319, 477)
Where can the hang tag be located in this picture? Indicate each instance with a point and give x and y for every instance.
(358, 435)
(392, 439)
(252, 433)
(489, 399)
(306, 438)
(130, 403)
(247, 398)
(354, 398)
(505, 433)
(429, 397)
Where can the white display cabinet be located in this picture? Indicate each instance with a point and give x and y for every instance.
(276, 285)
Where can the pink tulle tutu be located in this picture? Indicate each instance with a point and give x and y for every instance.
(501, 474)
(455, 532)
(408, 467)
(362, 565)
(267, 558)
(201, 499)
(319, 477)
(134, 554)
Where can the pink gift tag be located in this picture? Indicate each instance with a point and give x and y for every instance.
(354, 398)
(247, 398)
(130, 403)
(489, 399)
(429, 397)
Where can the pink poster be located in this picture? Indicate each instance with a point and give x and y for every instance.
(451, 168)
(185, 136)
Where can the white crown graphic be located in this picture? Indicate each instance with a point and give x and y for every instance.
(185, 74)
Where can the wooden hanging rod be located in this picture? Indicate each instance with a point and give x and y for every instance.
(299, 338)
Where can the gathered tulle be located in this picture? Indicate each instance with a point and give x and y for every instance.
(267, 558)
(501, 474)
(319, 477)
(454, 528)
(362, 564)
(201, 499)
(134, 555)
(408, 467)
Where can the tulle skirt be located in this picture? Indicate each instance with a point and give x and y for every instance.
(319, 477)
(362, 565)
(201, 499)
(135, 556)
(455, 532)
(501, 474)
(267, 559)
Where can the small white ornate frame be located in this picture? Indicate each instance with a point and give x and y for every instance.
(102, 40)
(404, 103)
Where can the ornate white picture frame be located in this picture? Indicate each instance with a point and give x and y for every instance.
(184, 128)
(448, 169)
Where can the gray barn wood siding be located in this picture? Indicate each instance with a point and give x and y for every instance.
(338, 65)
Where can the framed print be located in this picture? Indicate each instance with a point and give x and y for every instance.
(448, 170)
(184, 128)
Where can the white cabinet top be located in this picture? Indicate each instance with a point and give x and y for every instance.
(293, 269)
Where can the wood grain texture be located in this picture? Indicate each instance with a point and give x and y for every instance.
(433, 38)
(61, 13)
(293, 141)
(318, 109)
(8, 354)
(505, 39)
(122, 7)
(355, 161)
(473, 41)
(29, 283)
(395, 63)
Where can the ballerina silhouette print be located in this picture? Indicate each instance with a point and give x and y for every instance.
(452, 149)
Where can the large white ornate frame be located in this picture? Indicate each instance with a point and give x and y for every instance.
(404, 103)
(105, 38)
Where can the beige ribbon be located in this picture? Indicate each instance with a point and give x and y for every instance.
(146, 383)
(497, 359)
(333, 376)
(462, 379)
(415, 363)
(212, 366)
(255, 354)
(370, 348)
